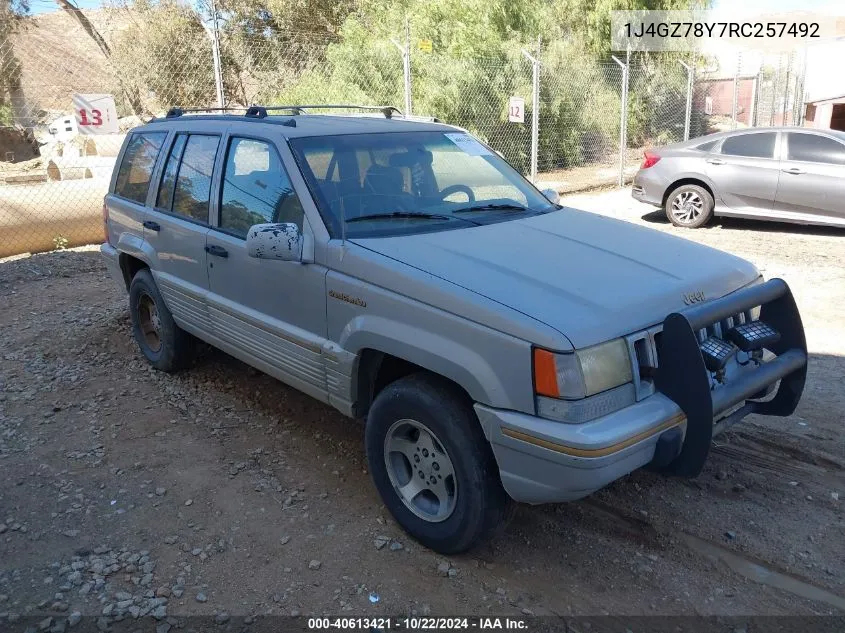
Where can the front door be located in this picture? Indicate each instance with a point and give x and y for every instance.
(177, 225)
(812, 179)
(745, 173)
(270, 313)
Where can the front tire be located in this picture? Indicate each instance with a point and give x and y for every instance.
(689, 206)
(432, 465)
(164, 344)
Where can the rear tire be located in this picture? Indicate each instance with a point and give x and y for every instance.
(689, 206)
(164, 344)
(432, 465)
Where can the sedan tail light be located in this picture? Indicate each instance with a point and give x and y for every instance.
(649, 160)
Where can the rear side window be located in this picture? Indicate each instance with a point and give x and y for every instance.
(752, 145)
(136, 169)
(186, 183)
(813, 148)
(706, 147)
(164, 199)
(256, 188)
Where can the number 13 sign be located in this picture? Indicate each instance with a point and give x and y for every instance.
(95, 113)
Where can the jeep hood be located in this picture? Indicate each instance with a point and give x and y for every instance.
(590, 277)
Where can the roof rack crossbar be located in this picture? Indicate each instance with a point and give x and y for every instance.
(259, 112)
(387, 110)
(179, 111)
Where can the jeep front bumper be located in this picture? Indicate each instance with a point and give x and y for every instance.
(543, 461)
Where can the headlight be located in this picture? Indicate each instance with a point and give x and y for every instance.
(583, 373)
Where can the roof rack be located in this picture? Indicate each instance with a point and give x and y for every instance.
(260, 112)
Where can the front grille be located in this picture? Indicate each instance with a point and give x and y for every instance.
(645, 355)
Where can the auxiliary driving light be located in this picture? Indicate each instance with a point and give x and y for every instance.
(752, 336)
(716, 353)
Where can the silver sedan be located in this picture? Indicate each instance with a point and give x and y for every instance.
(784, 174)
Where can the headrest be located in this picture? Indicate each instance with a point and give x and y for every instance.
(411, 158)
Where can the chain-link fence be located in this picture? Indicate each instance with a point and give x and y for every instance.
(584, 122)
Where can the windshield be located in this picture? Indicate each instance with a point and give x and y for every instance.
(408, 182)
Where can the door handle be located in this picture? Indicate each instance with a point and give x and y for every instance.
(153, 226)
(217, 251)
(715, 161)
(793, 170)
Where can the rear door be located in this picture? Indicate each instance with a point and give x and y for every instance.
(812, 180)
(270, 313)
(745, 172)
(177, 225)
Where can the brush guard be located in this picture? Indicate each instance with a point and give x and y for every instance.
(682, 375)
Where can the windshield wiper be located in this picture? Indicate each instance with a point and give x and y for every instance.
(491, 207)
(402, 215)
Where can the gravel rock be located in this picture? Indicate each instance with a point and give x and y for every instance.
(160, 492)
(74, 618)
(395, 546)
(381, 541)
(314, 564)
(201, 597)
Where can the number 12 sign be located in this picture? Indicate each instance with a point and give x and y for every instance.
(516, 110)
(95, 113)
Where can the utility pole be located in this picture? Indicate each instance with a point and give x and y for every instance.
(215, 54)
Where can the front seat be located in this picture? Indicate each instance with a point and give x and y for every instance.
(384, 190)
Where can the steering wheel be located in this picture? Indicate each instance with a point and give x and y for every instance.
(448, 191)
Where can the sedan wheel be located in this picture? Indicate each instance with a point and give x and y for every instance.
(689, 206)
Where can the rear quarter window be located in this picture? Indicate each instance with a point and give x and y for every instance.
(136, 168)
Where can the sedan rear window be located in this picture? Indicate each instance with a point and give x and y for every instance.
(760, 145)
(706, 147)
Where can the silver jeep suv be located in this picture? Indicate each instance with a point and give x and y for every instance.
(499, 346)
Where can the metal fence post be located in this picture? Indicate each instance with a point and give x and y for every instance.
(735, 99)
(688, 114)
(535, 112)
(405, 50)
(623, 120)
(214, 36)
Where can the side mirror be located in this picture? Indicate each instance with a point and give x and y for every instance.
(275, 241)
(551, 195)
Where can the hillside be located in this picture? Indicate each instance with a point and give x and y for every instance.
(58, 58)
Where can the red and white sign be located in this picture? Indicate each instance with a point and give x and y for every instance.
(516, 110)
(95, 113)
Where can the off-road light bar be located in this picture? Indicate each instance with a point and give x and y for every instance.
(684, 378)
(752, 336)
(716, 353)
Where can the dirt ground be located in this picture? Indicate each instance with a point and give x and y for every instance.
(220, 491)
